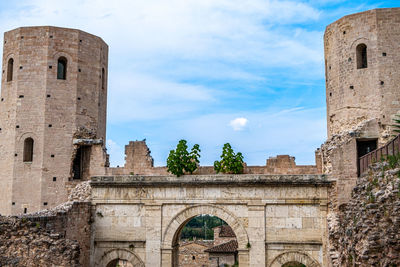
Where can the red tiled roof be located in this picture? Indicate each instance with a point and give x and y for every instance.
(226, 231)
(228, 247)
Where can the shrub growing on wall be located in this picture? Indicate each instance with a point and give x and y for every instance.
(230, 162)
(180, 161)
(396, 125)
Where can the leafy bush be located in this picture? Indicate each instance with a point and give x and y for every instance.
(396, 125)
(180, 161)
(230, 162)
(393, 160)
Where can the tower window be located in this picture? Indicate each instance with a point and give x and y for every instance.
(10, 68)
(28, 150)
(103, 78)
(62, 68)
(361, 52)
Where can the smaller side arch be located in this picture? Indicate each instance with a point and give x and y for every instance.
(122, 254)
(294, 256)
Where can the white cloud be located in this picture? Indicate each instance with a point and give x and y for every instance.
(294, 131)
(238, 124)
(167, 58)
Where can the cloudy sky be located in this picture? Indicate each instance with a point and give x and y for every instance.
(248, 72)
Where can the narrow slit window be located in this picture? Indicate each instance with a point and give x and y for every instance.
(28, 150)
(10, 69)
(62, 68)
(362, 60)
(103, 78)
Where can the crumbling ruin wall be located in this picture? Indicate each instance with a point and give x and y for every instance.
(60, 239)
(138, 161)
(56, 237)
(339, 157)
(366, 231)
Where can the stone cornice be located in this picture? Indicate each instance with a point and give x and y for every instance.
(209, 180)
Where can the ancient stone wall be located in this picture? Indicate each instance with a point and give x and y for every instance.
(36, 103)
(366, 231)
(57, 238)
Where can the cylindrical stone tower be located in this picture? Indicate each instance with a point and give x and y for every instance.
(362, 57)
(52, 110)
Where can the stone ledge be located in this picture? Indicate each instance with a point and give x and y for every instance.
(87, 142)
(293, 243)
(200, 180)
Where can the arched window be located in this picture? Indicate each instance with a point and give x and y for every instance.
(103, 78)
(361, 51)
(10, 69)
(28, 150)
(62, 68)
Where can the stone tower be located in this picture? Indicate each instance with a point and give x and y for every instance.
(52, 115)
(362, 55)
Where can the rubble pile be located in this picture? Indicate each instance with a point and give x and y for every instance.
(366, 231)
(27, 242)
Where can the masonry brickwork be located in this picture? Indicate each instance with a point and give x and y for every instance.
(142, 216)
(37, 104)
(356, 94)
(59, 239)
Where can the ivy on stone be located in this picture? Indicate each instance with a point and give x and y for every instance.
(230, 162)
(180, 161)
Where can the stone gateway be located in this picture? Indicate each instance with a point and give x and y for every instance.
(271, 216)
(74, 210)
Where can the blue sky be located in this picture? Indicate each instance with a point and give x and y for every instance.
(209, 71)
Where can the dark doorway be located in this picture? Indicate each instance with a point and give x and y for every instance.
(81, 162)
(364, 147)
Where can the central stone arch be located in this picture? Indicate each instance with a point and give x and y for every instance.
(294, 256)
(174, 227)
(121, 254)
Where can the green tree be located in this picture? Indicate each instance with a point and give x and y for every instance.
(230, 162)
(180, 160)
